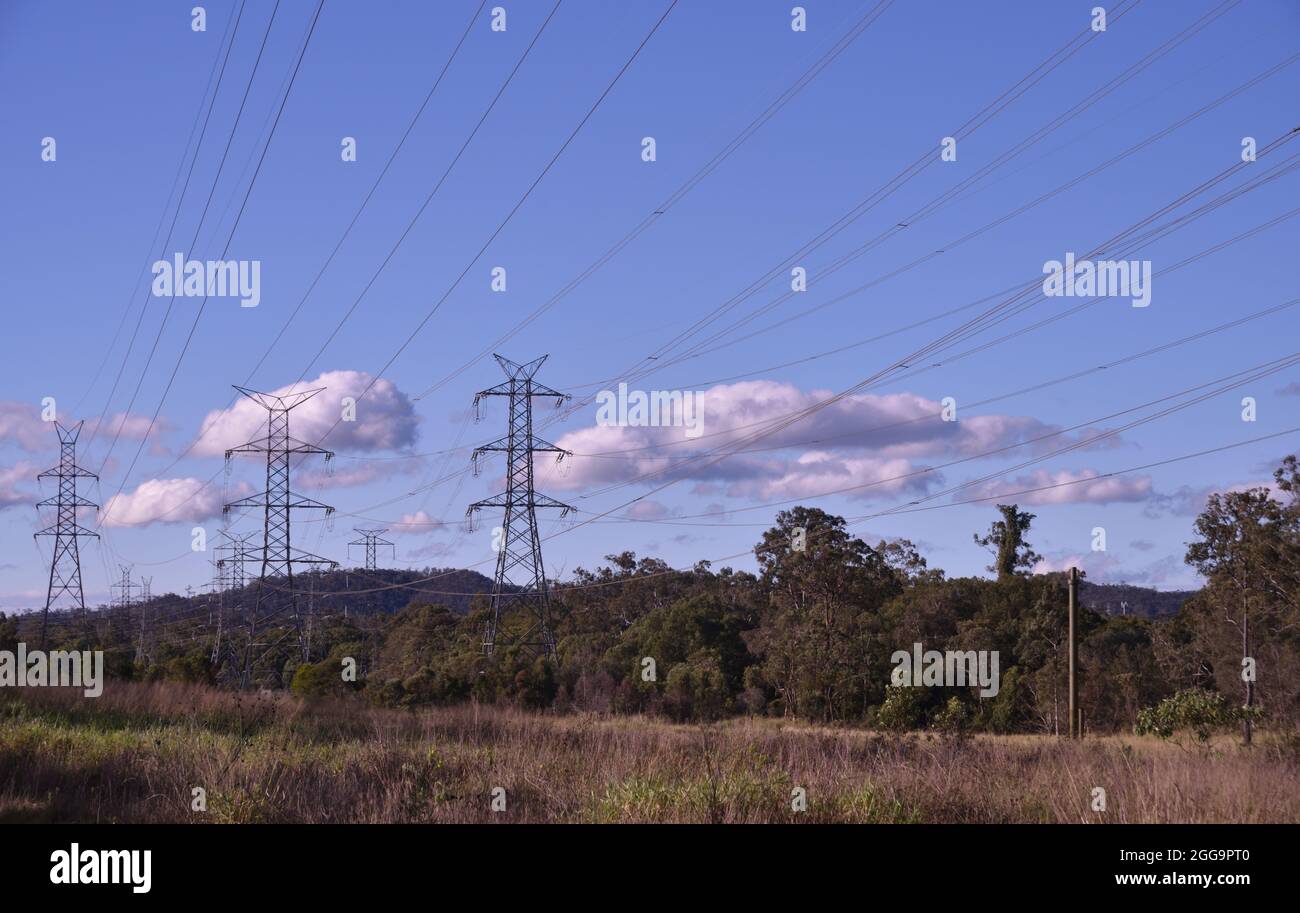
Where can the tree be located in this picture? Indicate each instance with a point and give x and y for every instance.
(1006, 539)
(8, 633)
(902, 556)
(701, 632)
(1249, 552)
(823, 585)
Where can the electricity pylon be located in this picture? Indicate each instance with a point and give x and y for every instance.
(146, 594)
(124, 588)
(228, 574)
(520, 581)
(278, 502)
(231, 556)
(65, 566)
(124, 600)
(370, 539)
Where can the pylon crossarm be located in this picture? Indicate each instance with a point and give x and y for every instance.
(259, 445)
(514, 369)
(66, 501)
(541, 500)
(305, 502)
(305, 558)
(68, 473)
(257, 500)
(76, 530)
(537, 445)
(536, 389)
(296, 446)
(273, 403)
(500, 445)
(499, 390)
(494, 501)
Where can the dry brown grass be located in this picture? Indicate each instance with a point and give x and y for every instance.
(135, 754)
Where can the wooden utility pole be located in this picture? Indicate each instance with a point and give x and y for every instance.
(1074, 653)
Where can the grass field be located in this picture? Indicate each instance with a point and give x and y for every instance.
(137, 753)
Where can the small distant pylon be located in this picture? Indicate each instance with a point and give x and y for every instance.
(227, 574)
(370, 539)
(65, 566)
(231, 556)
(125, 588)
(520, 576)
(146, 595)
(278, 502)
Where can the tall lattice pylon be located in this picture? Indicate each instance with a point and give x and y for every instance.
(65, 567)
(370, 539)
(278, 502)
(519, 593)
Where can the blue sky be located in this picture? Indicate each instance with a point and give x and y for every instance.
(119, 89)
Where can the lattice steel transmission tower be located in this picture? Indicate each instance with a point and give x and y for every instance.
(229, 563)
(278, 502)
(228, 574)
(519, 592)
(370, 539)
(124, 587)
(146, 594)
(123, 601)
(65, 566)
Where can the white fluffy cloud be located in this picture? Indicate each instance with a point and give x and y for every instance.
(647, 510)
(10, 477)
(418, 522)
(167, 501)
(1083, 487)
(351, 473)
(385, 419)
(21, 424)
(878, 444)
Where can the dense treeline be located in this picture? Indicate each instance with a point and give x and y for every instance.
(812, 634)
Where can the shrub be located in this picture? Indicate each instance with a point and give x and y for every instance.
(1203, 712)
(319, 679)
(953, 717)
(901, 710)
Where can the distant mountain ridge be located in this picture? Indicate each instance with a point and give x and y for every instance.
(350, 590)
(388, 591)
(1139, 601)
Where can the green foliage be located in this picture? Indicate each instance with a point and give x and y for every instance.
(1006, 538)
(697, 689)
(193, 667)
(319, 679)
(1203, 712)
(815, 631)
(8, 632)
(954, 718)
(1012, 708)
(901, 710)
